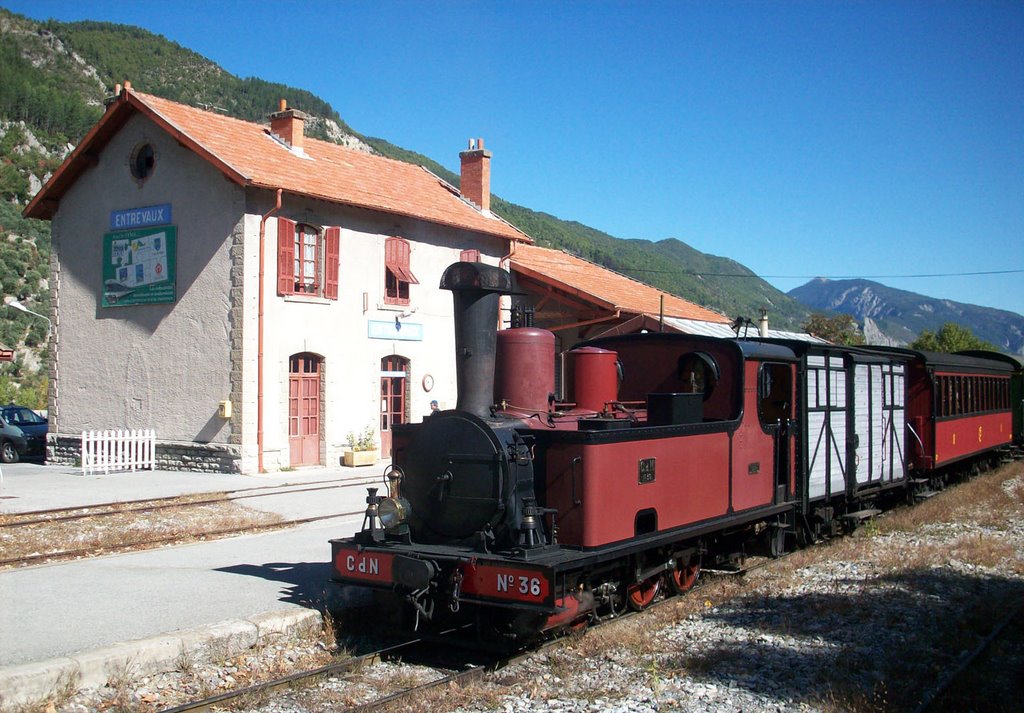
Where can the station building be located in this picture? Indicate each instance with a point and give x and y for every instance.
(259, 298)
(253, 294)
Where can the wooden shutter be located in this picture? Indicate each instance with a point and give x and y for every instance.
(285, 256)
(332, 239)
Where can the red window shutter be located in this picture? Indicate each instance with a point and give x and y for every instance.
(469, 256)
(332, 238)
(402, 247)
(285, 256)
(391, 251)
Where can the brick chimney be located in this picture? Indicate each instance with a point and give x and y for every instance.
(475, 183)
(288, 124)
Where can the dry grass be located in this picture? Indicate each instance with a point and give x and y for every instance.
(101, 533)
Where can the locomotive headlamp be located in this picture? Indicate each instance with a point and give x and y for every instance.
(393, 512)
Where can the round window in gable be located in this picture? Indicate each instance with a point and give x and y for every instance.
(142, 162)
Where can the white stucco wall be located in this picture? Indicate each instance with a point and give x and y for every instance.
(164, 366)
(338, 331)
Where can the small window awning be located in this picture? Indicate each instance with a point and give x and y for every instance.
(402, 273)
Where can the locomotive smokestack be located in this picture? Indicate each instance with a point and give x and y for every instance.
(476, 288)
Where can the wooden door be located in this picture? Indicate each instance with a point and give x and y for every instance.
(304, 410)
(393, 372)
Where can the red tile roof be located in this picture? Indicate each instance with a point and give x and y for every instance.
(603, 287)
(247, 154)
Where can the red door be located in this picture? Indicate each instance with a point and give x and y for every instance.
(304, 410)
(393, 371)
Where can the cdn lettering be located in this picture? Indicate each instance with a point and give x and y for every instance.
(366, 565)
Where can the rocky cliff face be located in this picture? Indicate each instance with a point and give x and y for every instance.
(892, 316)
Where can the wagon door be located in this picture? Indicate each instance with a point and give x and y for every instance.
(878, 423)
(894, 419)
(867, 423)
(825, 444)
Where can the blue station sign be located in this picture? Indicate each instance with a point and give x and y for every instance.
(132, 218)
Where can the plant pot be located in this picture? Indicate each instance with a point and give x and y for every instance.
(357, 458)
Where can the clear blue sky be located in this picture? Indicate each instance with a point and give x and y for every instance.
(799, 138)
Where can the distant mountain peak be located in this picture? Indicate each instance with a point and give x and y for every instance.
(899, 316)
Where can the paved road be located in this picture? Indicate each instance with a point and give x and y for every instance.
(59, 610)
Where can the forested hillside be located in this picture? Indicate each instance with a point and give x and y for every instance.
(54, 79)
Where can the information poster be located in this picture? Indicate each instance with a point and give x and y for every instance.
(139, 266)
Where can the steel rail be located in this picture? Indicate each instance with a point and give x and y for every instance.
(373, 657)
(171, 501)
(147, 544)
(966, 661)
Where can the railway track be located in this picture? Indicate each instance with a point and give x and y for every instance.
(454, 672)
(462, 672)
(64, 523)
(975, 669)
(119, 507)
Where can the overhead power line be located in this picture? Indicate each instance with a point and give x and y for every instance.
(828, 277)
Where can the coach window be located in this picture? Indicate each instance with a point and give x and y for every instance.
(397, 273)
(307, 259)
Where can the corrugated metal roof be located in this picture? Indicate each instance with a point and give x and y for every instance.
(709, 329)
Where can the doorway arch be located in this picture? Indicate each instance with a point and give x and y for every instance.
(304, 409)
(394, 401)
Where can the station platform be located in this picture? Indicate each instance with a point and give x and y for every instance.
(87, 617)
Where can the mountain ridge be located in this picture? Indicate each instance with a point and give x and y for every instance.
(901, 315)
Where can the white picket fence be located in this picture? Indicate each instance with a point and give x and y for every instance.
(113, 451)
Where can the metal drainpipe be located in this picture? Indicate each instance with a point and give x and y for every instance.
(259, 338)
(507, 259)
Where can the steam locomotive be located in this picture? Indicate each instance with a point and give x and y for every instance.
(523, 515)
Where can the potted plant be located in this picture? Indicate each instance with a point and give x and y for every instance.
(362, 448)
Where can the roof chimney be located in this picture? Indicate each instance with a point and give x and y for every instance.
(762, 324)
(288, 124)
(475, 182)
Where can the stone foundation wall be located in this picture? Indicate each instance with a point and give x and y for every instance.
(199, 457)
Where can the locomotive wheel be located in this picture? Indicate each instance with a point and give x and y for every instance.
(684, 576)
(641, 594)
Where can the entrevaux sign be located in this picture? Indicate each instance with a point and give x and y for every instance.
(139, 257)
(140, 217)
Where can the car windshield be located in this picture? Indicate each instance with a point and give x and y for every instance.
(22, 416)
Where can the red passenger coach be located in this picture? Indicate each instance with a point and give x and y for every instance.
(958, 406)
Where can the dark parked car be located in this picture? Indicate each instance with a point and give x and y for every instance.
(32, 427)
(12, 442)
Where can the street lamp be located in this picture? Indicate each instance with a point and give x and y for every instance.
(13, 302)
